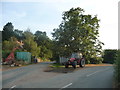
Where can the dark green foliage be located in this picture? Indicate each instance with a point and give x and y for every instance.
(30, 45)
(7, 31)
(55, 51)
(8, 46)
(0, 37)
(97, 60)
(38, 44)
(45, 44)
(41, 38)
(5, 53)
(78, 32)
(45, 53)
(19, 34)
(109, 56)
(117, 68)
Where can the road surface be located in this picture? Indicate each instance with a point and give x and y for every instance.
(33, 76)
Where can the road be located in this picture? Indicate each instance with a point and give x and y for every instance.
(33, 76)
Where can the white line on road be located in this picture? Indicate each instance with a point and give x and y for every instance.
(12, 87)
(96, 72)
(92, 73)
(65, 86)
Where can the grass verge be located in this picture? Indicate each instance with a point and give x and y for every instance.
(56, 65)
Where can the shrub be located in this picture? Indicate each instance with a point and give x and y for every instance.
(117, 68)
(5, 53)
(96, 60)
(109, 56)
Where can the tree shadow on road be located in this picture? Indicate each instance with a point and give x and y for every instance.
(62, 69)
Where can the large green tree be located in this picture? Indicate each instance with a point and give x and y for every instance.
(41, 38)
(29, 44)
(7, 31)
(78, 33)
(45, 43)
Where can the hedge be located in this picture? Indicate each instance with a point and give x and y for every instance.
(109, 55)
(117, 69)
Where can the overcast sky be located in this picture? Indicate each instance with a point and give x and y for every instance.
(45, 15)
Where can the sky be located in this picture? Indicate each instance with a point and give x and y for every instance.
(45, 15)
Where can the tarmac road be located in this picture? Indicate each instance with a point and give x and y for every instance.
(33, 76)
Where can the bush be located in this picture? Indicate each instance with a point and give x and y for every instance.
(109, 56)
(5, 53)
(117, 68)
(96, 60)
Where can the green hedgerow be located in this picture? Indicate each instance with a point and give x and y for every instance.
(117, 68)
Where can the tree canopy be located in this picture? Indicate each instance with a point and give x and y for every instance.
(38, 44)
(45, 44)
(29, 44)
(7, 31)
(78, 33)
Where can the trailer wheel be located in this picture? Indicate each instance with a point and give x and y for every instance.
(82, 63)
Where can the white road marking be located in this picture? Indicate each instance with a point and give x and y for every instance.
(92, 73)
(96, 72)
(65, 86)
(12, 87)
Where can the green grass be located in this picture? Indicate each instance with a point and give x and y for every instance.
(56, 65)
